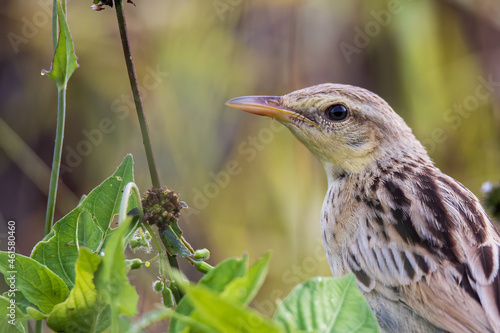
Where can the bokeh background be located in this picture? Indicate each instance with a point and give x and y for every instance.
(250, 185)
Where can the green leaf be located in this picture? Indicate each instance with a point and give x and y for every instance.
(104, 203)
(65, 61)
(84, 310)
(86, 225)
(224, 273)
(60, 252)
(146, 320)
(245, 288)
(234, 285)
(216, 280)
(89, 233)
(38, 284)
(225, 316)
(327, 305)
(111, 278)
(36, 314)
(21, 301)
(12, 319)
(172, 238)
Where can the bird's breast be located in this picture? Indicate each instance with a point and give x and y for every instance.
(338, 226)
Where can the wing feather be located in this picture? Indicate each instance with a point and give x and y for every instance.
(433, 243)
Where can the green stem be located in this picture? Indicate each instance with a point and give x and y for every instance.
(155, 180)
(128, 190)
(200, 265)
(54, 24)
(56, 162)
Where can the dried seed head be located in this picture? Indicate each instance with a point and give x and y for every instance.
(161, 206)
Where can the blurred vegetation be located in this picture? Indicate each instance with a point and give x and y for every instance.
(492, 199)
(249, 184)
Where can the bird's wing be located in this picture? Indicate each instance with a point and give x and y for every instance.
(478, 241)
(431, 242)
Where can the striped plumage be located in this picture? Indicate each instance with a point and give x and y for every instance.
(431, 248)
(420, 244)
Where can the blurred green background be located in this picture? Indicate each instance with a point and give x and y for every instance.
(250, 185)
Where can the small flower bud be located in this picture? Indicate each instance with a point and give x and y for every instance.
(158, 286)
(168, 297)
(134, 263)
(201, 254)
(137, 242)
(134, 243)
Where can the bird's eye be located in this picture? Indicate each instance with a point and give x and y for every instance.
(336, 112)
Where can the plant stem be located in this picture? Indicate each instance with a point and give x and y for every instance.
(56, 162)
(54, 24)
(128, 190)
(155, 180)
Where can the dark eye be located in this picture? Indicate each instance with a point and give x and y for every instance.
(336, 112)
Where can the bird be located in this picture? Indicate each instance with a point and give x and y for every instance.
(424, 252)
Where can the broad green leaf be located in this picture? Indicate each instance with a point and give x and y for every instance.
(12, 319)
(327, 305)
(86, 225)
(225, 316)
(225, 272)
(89, 233)
(245, 288)
(111, 278)
(65, 61)
(232, 281)
(84, 310)
(21, 301)
(59, 253)
(104, 204)
(216, 280)
(38, 284)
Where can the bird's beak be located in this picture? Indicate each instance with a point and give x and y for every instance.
(266, 106)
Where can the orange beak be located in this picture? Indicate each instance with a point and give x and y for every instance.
(266, 106)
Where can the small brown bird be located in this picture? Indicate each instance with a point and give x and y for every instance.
(422, 248)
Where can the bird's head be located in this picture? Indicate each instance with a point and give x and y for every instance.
(346, 127)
